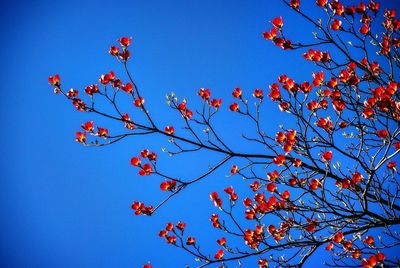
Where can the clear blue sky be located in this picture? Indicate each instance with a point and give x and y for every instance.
(64, 205)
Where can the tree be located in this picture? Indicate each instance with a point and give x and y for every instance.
(328, 181)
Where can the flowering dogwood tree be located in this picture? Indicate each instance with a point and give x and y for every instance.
(328, 182)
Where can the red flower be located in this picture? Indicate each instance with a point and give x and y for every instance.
(125, 55)
(171, 239)
(277, 22)
(169, 226)
(221, 241)
(318, 78)
(297, 162)
(284, 106)
(216, 103)
(234, 107)
(321, 3)
(125, 41)
(255, 186)
(369, 240)
(338, 105)
(215, 221)
(217, 201)
(286, 194)
(356, 177)
(90, 90)
(127, 88)
(113, 51)
(262, 263)
(234, 169)
(204, 93)
(190, 241)
(280, 137)
(374, 6)
(237, 93)
(295, 4)
(279, 160)
(181, 226)
(356, 254)
(54, 80)
(146, 170)
(275, 93)
(338, 237)
(312, 105)
(380, 257)
(128, 123)
(152, 156)
(135, 161)
(140, 208)
(169, 130)
(383, 134)
(105, 79)
(258, 93)
(219, 255)
(336, 24)
(392, 165)
(361, 8)
(138, 102)
(81, 137)
(364, 29)
(271, 187)
(306, 87)
(168, 185)
(312, 226)
(79, 105)
(329, 246)
(327, 156)
(314, 184)
(232, 195)
(271, 34)
(102, 132)
(88, 126)
(326, 124)
(72, 93)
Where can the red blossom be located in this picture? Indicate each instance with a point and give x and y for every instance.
(54, 80)
(258, 93)
(204, 93)
(113, 51)
(168, 185)
(383, 133)
(102, 132)
(336, 24)
(81, 137)
(127, 88)
(125, 41)
(216, 103)
(169, 130)
(190, 241)
(234, 107)
(146, 170)
(279, 160)
(138, 102)
(219, 255)
(277, 22)
(234, 169)
(88, 126)
(327, 156)
(181, 226)
(221, 241)
(237, 93)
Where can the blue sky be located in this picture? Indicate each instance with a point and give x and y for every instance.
(64, 205)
